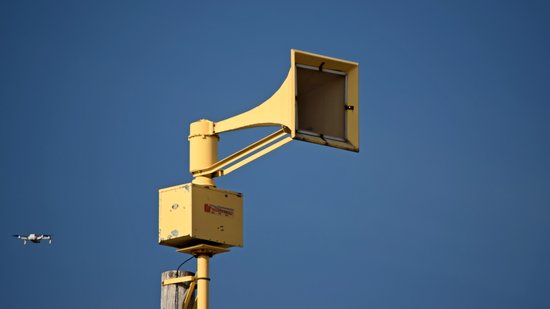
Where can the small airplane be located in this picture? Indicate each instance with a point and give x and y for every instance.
(35, 238)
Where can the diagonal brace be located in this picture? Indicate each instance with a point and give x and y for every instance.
(246, 155)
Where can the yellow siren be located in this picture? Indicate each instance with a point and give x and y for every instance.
(318, 102)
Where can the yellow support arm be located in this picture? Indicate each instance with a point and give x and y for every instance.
(245, 155)
(318, 102)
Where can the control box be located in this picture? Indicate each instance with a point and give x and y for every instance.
(192, 214)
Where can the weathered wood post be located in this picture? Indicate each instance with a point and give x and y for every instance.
(173, 295)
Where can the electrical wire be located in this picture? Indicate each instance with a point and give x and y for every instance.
(177, 276)
(178, 269)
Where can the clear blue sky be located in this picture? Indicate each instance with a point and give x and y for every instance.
(446, 206)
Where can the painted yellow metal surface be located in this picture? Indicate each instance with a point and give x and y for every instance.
(281, 109)
(203, 249)
(203, 149)
(203, 281)
(191, 214)
(318, 102)
(244, 156)
(178, 280)
(187, 299)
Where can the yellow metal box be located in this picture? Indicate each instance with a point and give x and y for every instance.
(191, 214)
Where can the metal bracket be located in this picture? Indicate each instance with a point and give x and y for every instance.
(178, 280)
(187, 299)
(246, 155)
(203, 249)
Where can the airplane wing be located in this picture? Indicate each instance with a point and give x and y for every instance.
(20, 237)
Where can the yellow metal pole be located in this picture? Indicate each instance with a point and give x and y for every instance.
(203, 281)
(203, 150)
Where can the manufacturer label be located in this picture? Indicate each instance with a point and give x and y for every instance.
(219, 210)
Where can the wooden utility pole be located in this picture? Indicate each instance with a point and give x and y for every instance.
(173, 295)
